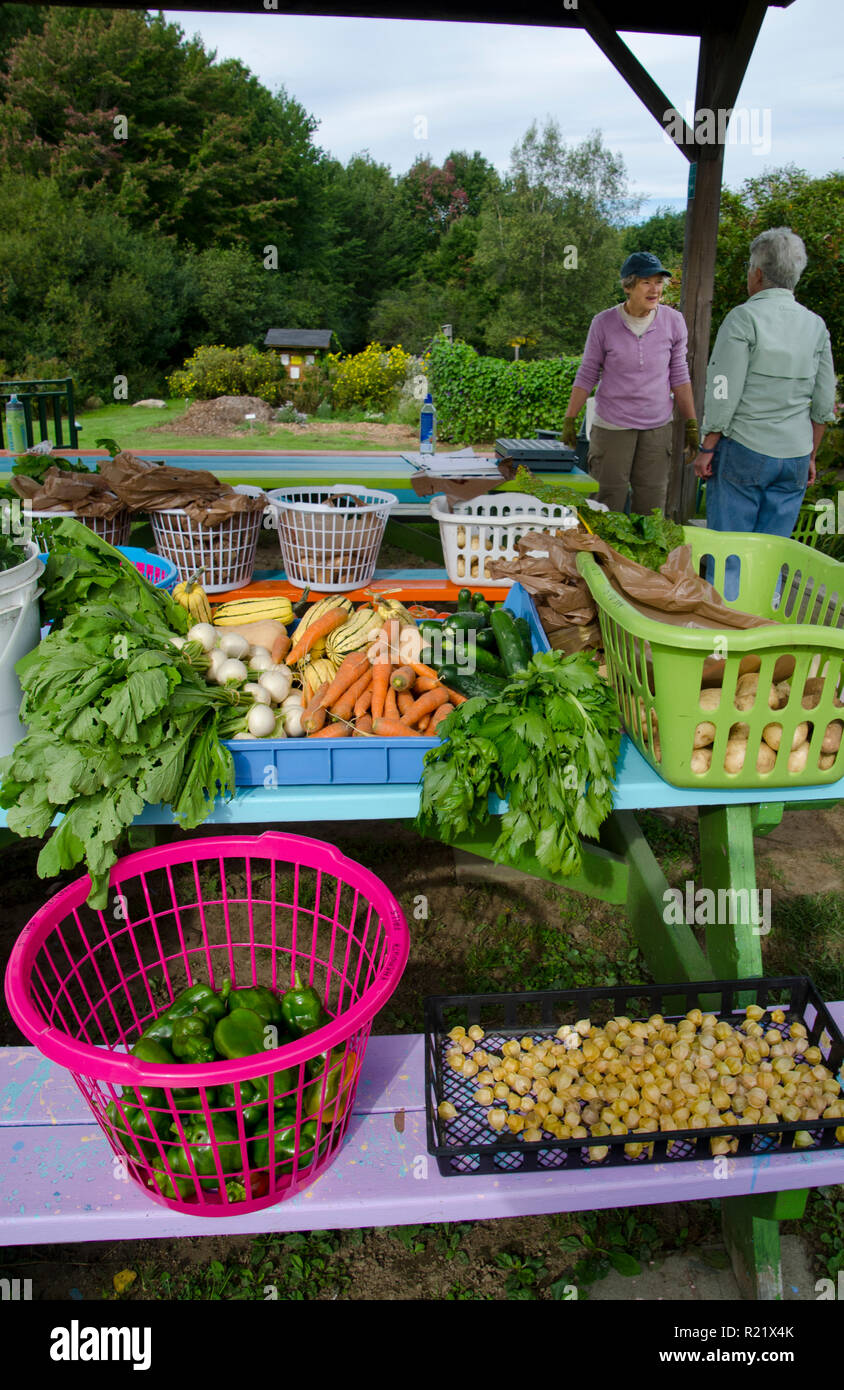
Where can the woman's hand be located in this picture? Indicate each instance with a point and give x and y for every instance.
(703, 465)
(570, 433)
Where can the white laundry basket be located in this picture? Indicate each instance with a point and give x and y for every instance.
(226, 552)
(113, 529)
(330, 537)
(476, 533)
(20, 632)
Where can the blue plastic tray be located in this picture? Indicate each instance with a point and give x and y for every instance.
(302, 762)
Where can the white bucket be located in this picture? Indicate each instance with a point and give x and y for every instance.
(20, 632)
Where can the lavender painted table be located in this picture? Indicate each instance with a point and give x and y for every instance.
(59, 1183)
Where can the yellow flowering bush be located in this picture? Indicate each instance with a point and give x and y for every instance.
(367, 379)
(220, 371)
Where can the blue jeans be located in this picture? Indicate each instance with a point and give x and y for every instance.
(753, 492)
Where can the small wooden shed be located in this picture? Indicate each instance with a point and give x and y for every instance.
(298, 347)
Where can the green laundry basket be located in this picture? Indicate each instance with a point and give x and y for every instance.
(806, 526)
(657, 669)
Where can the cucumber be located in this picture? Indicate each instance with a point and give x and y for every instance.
(485, 637)
(429, 627)
(464, 600)
(476, 599)
(510, 643)
(489, 687)
(486, 660)
(523, 628)
(465, 622)
(483, 607)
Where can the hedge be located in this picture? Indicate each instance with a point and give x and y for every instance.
(487, 398)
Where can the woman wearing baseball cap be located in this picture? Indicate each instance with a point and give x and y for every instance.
(636, 355)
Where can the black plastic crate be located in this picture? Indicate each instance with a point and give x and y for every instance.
(463, 1146)
(539, 454)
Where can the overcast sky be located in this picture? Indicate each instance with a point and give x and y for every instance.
(401, 88)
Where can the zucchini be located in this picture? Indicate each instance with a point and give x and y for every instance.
(510, 643)
(464, 600)
(489, 687)
(465, 622)
(485, 637)
(476, 599)
(483, 607)
(485, 660)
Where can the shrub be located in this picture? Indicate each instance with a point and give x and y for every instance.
(485, 397)
(324, 411)
(366, 380)
(220, 371)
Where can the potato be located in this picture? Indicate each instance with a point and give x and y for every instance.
(710, 699)
(461, 535)
(701, 761)
(734, 754)
(748, 684)
(798, 759)
(832, 737)
(704, 735)
(800, 735)
(772, 734)
(812, 692)
(461, 566)
(766, 758)
(779, 695)
(740, 732)
(825, 761)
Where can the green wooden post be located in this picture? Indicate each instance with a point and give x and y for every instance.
(418, 539)
(751, 1234)
(726, 852)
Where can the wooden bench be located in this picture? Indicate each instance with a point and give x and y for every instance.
(60, 1182)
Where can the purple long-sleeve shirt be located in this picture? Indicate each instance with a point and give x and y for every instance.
(635, 374)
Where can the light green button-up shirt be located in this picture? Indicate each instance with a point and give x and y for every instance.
(770, 376)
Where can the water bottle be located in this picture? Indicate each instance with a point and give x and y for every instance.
(15, 426)
(428, 427)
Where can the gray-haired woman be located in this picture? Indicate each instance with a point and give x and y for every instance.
(770, 392)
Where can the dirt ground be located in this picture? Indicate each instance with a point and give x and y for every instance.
(225, 415)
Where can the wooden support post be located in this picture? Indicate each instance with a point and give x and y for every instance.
(750, 1226)
(734, 946)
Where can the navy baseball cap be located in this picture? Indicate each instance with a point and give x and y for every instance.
(643, 264)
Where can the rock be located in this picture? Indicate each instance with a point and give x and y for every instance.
(153, 404)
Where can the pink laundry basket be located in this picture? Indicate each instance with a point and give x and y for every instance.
(83, 984)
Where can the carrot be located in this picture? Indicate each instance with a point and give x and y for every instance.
(423, 723)
(363, 702)
(280, 648)
(391, 709)
(426, 704)
(344, 708)
(363, 725)
(349, 670)
(404, 700)
(335, 617)
(389, 638)
(380, 686)
(426, 683)
(422, 670)
(403, 678)
(437, 718)
(455, 697)
(392, 728)
(313, 716)
(332, 731)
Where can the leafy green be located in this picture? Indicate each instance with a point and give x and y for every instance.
(36, 466)
(117, 719)
(548, 744)
(83, 568)
(646, 539)
(10, 553)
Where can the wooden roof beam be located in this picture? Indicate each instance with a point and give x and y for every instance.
(637, 77)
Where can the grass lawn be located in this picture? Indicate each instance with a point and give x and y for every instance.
(139, 429)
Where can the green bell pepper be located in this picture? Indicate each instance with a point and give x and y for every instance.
(192, 1042)
(152, 1050)
(338, 1075)
(136, 1130)
(285, 1148)
(254, 1105)
(241, 1034)
(260, 1000)
(302, 1009)
(196, 998)
(198, 1147)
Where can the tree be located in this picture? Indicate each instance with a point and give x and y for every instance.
(814, 209)
(662, 234)
(548, 243)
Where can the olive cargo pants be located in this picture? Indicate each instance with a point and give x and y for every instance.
(640, 459)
